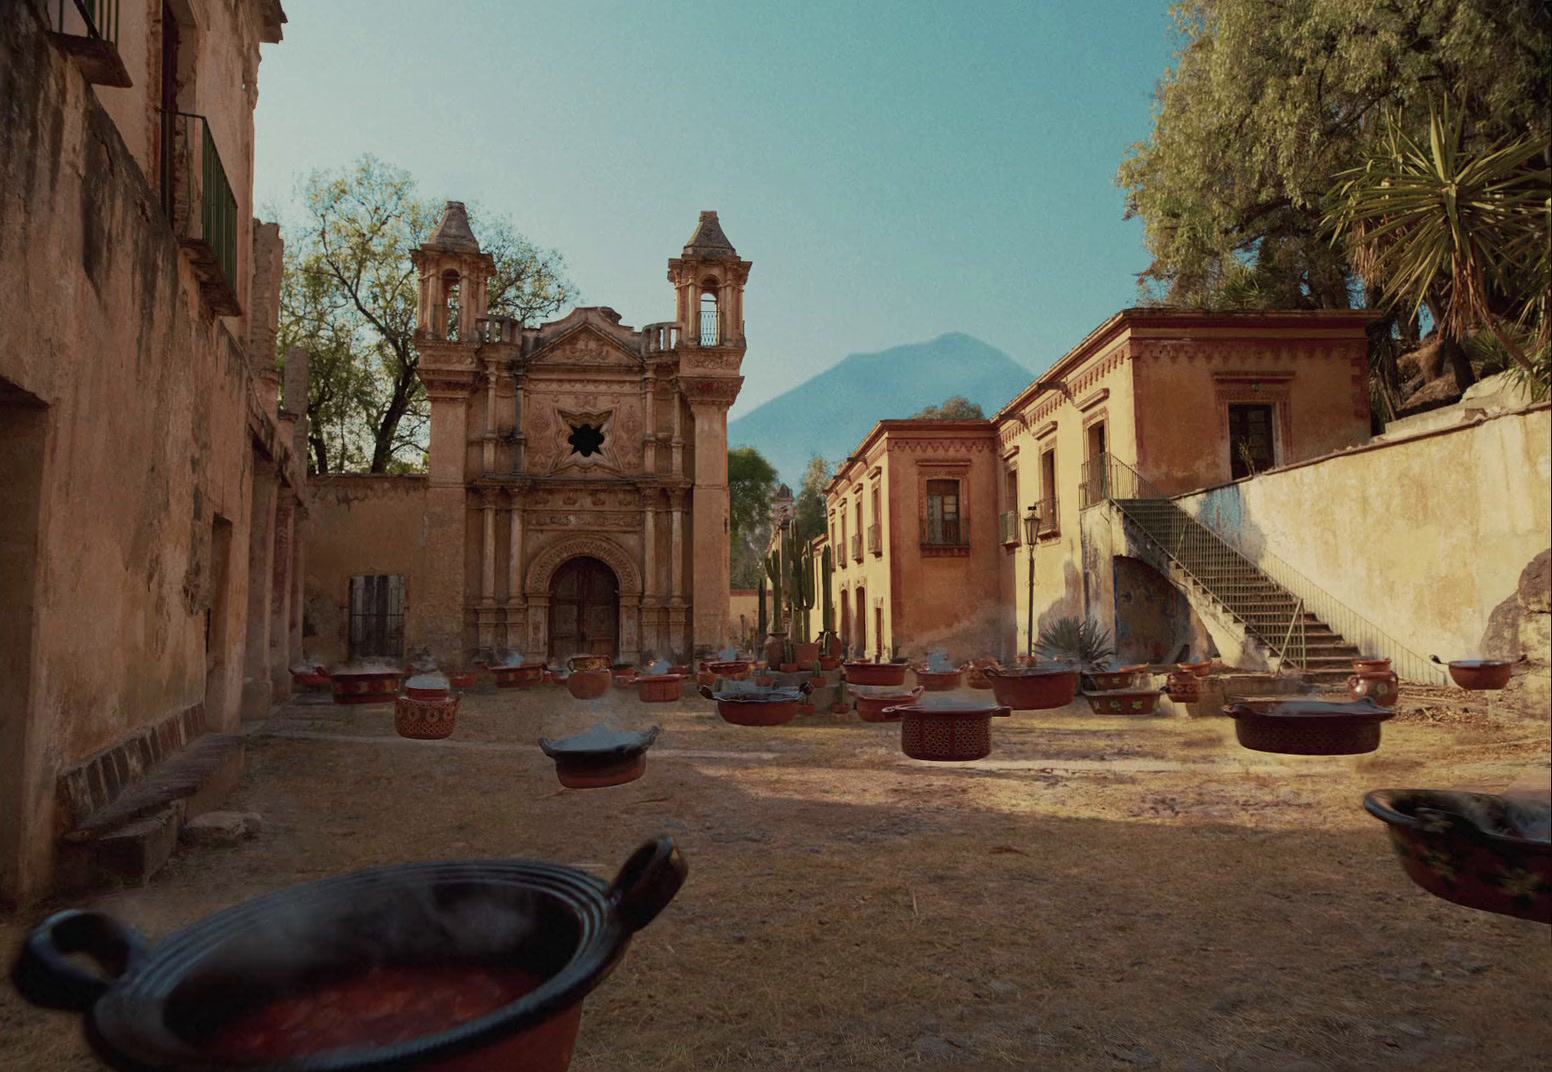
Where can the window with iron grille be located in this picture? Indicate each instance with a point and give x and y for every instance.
(941, 527)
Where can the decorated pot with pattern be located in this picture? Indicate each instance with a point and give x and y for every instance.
(513, 677)
(365, 686)
(425, 720)
(1377, 685)
(947, 734)
(1124, 701)
(1475, 849)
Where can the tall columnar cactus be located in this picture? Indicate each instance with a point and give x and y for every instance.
(773, 570)
(801, 588)
(761, 621)
(826, 568)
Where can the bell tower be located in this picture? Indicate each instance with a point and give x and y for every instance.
(453, 277)
(709, 280)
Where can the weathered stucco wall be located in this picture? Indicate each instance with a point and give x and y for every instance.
(1423, 537)
(145, 462)
(357, 525)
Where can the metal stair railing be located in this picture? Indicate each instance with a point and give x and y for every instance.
(1207, 556)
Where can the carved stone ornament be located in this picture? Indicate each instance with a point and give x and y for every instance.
(587, 347)
(544, 564)
(723, 389)
(712, 359)
(584, 441)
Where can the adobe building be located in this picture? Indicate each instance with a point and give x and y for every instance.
(928, 517)
(148, 561)
(577, 494)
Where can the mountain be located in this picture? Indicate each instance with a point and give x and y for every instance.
(831, 412)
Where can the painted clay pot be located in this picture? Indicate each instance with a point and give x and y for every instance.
(1110, 680)
(1201, 669)
(737, 669)
(890, 674)
(463, 679)
(937, 680)
(789, 668)
(805, 654)
(1034, 688)
(361, 686)
(157, 1009)
(425, 720)
(829, 662)
(587, 662)
(1479, 674)
(875, 706)
(1475, 849)
(1363, 666)
(975, 673)
(426, 687)
(1376, 685)
(317, 677)
(600, 757)
(625, 681)
(775, 649)
(834, 648)
(1184, 688)
(660, 688)
(1309, 727)
(947, 734)
(1124, 701)
(513, 677)
(588, 684)
(774, 708)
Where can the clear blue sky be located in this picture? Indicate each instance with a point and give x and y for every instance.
(895, 170)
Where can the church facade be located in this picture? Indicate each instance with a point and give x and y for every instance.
(576, 496)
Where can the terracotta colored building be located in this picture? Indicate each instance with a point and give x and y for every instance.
(577, 495)
(148, 560)
(931, 513)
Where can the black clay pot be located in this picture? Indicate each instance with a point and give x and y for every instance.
(157, 1010)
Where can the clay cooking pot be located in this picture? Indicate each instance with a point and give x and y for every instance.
(875, 673)
(947, 734)
(1033, 688)
(365, 686)
(1310, 727)
(937, 680)
(1477, 674)
(875, 707)
(1376, 685)
(600, 757)
(660, 688)
(512, 677)
(589, 684)
(160, 1010)
(772, 707)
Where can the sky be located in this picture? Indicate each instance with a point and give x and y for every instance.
(894, 170)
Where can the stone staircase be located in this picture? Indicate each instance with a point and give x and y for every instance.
(1219, 572)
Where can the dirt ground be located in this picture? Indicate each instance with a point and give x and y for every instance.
(1099, 894)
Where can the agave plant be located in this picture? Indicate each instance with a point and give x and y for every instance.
(1071, 638)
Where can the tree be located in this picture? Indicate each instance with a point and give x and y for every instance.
(808, 511)
(349, 297)
(1266, 103)
(751, 483)
(1438, 219)
(958, 408)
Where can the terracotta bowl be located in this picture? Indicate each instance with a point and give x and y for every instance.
(938, 680)
(731, 668)
(773, 707)
(160, 1008)
(947, 734)
(1475, 849)
(588, 684)
(875, 706)
(975, 673)
(1201, 669)
(1364, 665)
(361, 687)
(1477, 674)
(600, 757)
(512, 677)
(875, 673)
(463, 679)
(829, 662)
(660, 688)
(1110, 680)
(1309, 727)
(317, 677)
(1184, 688)
(1124, 701)
(425, 720)
(1034, 688)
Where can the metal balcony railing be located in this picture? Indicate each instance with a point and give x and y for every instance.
(1287, 610)
(1008, 526)
(942, 532)
(88, 30)
(202, 208)
(876, 539)
(1050, 524)
(856, 546)
(711, 327)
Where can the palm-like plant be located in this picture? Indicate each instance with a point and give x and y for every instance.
(1084, 640)
(1443, 220)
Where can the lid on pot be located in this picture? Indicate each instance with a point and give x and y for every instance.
(1509, 817)
(1363, 710)
(945, 707)
(599, 739)
(1482, 664)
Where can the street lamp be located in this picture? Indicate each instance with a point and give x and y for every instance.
(1031, 529)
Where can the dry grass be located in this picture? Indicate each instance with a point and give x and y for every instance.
(1099, 894)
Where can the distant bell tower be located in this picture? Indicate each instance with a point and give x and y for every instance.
(709, 280)
(454, 277)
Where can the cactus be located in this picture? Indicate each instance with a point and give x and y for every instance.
(800, 587)
(826, 568)
(760, 628)
(773, 570)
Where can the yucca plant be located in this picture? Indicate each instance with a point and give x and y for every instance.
(1084, 640)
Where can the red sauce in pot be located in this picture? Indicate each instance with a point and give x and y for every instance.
(385, 1006)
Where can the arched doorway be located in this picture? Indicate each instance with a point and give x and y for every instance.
(845, 617)
(584, 610)
(861, 623)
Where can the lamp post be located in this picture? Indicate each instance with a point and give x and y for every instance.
(1031, 529)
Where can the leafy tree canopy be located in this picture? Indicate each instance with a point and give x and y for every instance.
(1268, 102)
(808, 512)
(751, 483)
(958, 408)
(348, 296)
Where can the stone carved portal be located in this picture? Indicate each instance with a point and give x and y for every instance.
(584, 610)
(542, 583)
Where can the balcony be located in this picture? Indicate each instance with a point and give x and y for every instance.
(88, 32)
(876, 539)
(661, 337)
(1008, 527)
(1048, 522)
(201, 207)
(856, 547)
(943, 532)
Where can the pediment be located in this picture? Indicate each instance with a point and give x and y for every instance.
(586, 347)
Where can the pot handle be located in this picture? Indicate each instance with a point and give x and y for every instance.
(647, 882)
(805, 688)
(45, 975)
(705, 690)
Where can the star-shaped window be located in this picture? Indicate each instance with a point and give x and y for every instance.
(586, 439)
